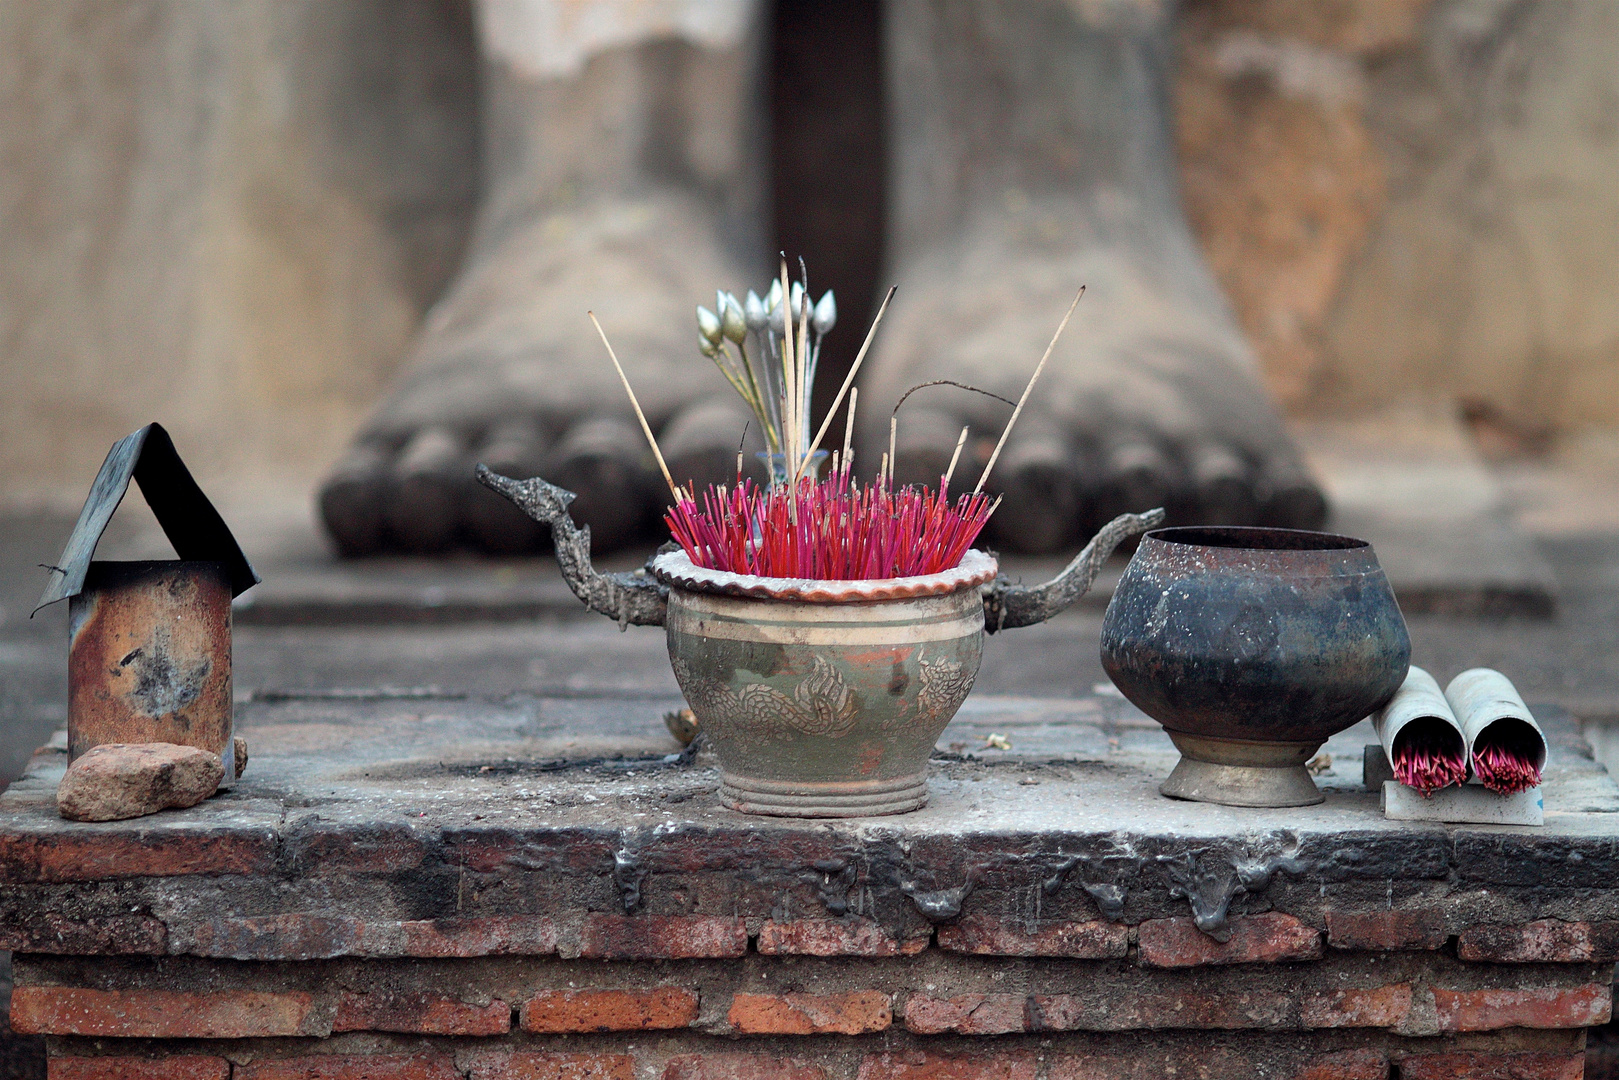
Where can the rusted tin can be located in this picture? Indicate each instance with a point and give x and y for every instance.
(149, 658)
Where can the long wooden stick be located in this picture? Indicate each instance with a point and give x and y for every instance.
(1041, 366)
(639, 415)
(848, 379)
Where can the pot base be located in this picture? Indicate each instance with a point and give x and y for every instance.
(1236, 772)
(838, 799)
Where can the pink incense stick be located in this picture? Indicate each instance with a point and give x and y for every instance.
(1501, 770)
(828, 530)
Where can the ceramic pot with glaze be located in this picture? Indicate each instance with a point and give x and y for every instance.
(819, 698)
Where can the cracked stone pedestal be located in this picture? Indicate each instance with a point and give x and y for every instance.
(407, 885)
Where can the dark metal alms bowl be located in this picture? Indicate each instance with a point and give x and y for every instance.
(1252, 647)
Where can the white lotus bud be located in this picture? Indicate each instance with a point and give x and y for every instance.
(753, 309)
(798, 298)
(732, 321)
(707, 347)
(708, 325)
(826, 314)
(773, 297)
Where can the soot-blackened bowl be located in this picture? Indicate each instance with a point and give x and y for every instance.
(1252, 647)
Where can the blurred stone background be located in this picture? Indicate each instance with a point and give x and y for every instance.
(234, 216)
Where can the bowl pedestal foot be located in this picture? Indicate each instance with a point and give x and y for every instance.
(1236, 772)
(825, 799)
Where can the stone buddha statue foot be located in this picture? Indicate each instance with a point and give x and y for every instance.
(623, 180)
(1030, 156)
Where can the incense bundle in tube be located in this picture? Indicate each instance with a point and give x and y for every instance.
(1421, 736)
(1504, 744)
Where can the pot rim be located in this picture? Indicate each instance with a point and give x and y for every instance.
(676, 569)
(1292, 540)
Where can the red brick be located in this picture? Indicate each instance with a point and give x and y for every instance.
(741, 1067)
(1387, 931)
(1255, 939)
(1346, 1065)
(1230, 1010)
(1379, 1007)
(662, 937)
(298, 935)
(1212, 1063)
(989, 936)
(137, 935)
(921, 1065)
(364, 849)
(1548, 941)
(318, 935)
(1482, 1066)
(179, 1067)
(835, 937)
(507, 1065)
(1548, 1007)
(967, 1014)
(121, 851)
(352, 1067)
(556, 1011)
(852, 1013)
(161, 1014)
(420, 1014)
(504, 935)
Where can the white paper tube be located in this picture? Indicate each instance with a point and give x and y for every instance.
(1419, 713)
(1492, 712)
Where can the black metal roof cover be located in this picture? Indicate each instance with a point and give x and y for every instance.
(189, 520)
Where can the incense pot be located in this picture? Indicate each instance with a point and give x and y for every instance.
(1252, 647)
(819, 698)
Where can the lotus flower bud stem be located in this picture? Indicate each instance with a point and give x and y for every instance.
(708, 325)
(826, 313)
(732, 322)
(753, 310)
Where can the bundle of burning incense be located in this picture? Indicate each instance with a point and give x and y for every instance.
(829, 530)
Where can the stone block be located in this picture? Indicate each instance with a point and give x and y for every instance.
(115, 781)
(559, 1011)
(162, 1014)
(1545, 941)
(985, 935)
(1255, 939)
(420, 1014)
(834, 937)
(1387, 931)
(852, 1013)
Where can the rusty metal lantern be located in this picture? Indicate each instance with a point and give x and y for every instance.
(149, 643)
